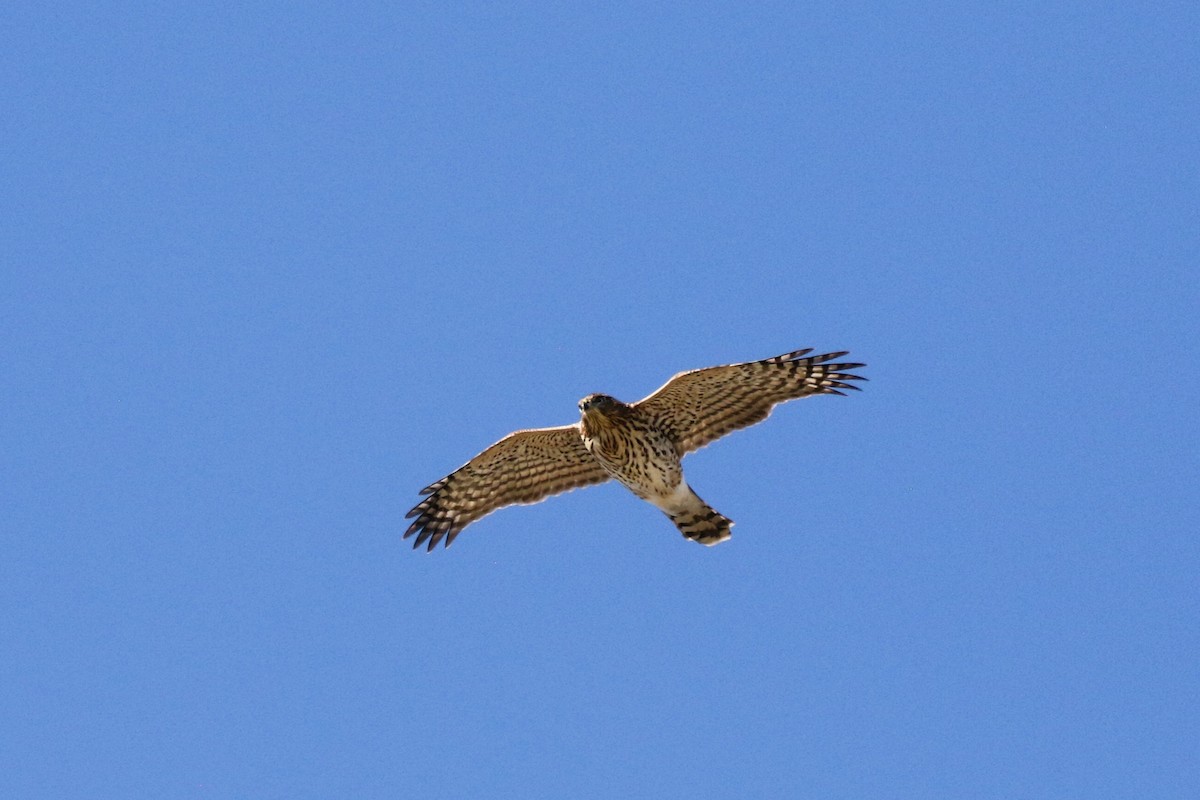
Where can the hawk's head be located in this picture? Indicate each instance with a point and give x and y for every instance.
(598, 411)
(597, 402)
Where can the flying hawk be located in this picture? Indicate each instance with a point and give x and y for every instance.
(639, 444)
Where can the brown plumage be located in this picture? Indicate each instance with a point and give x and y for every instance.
(640, 445)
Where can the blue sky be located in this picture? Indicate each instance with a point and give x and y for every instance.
(271, 269)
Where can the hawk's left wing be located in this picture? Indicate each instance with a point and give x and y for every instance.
(702, 405)
(523, 467)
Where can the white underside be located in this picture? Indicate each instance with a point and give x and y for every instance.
(674, 501)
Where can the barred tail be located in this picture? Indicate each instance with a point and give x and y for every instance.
(700, 522)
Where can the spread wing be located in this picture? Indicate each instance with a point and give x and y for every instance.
(702, 405)
(523, 467)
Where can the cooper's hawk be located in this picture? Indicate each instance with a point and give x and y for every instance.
(640, 445)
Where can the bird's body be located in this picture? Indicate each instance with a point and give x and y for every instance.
(640, 445)
(645, 459)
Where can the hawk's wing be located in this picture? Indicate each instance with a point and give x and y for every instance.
(702, 405)
(523, 467)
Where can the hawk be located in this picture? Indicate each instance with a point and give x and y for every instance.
(639, 444)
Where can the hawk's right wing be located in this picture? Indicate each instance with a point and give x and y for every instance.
(702, 405)
(523, 467)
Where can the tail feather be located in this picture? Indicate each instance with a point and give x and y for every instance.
(701, 523)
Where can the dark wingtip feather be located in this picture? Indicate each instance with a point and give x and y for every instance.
(423, 536)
